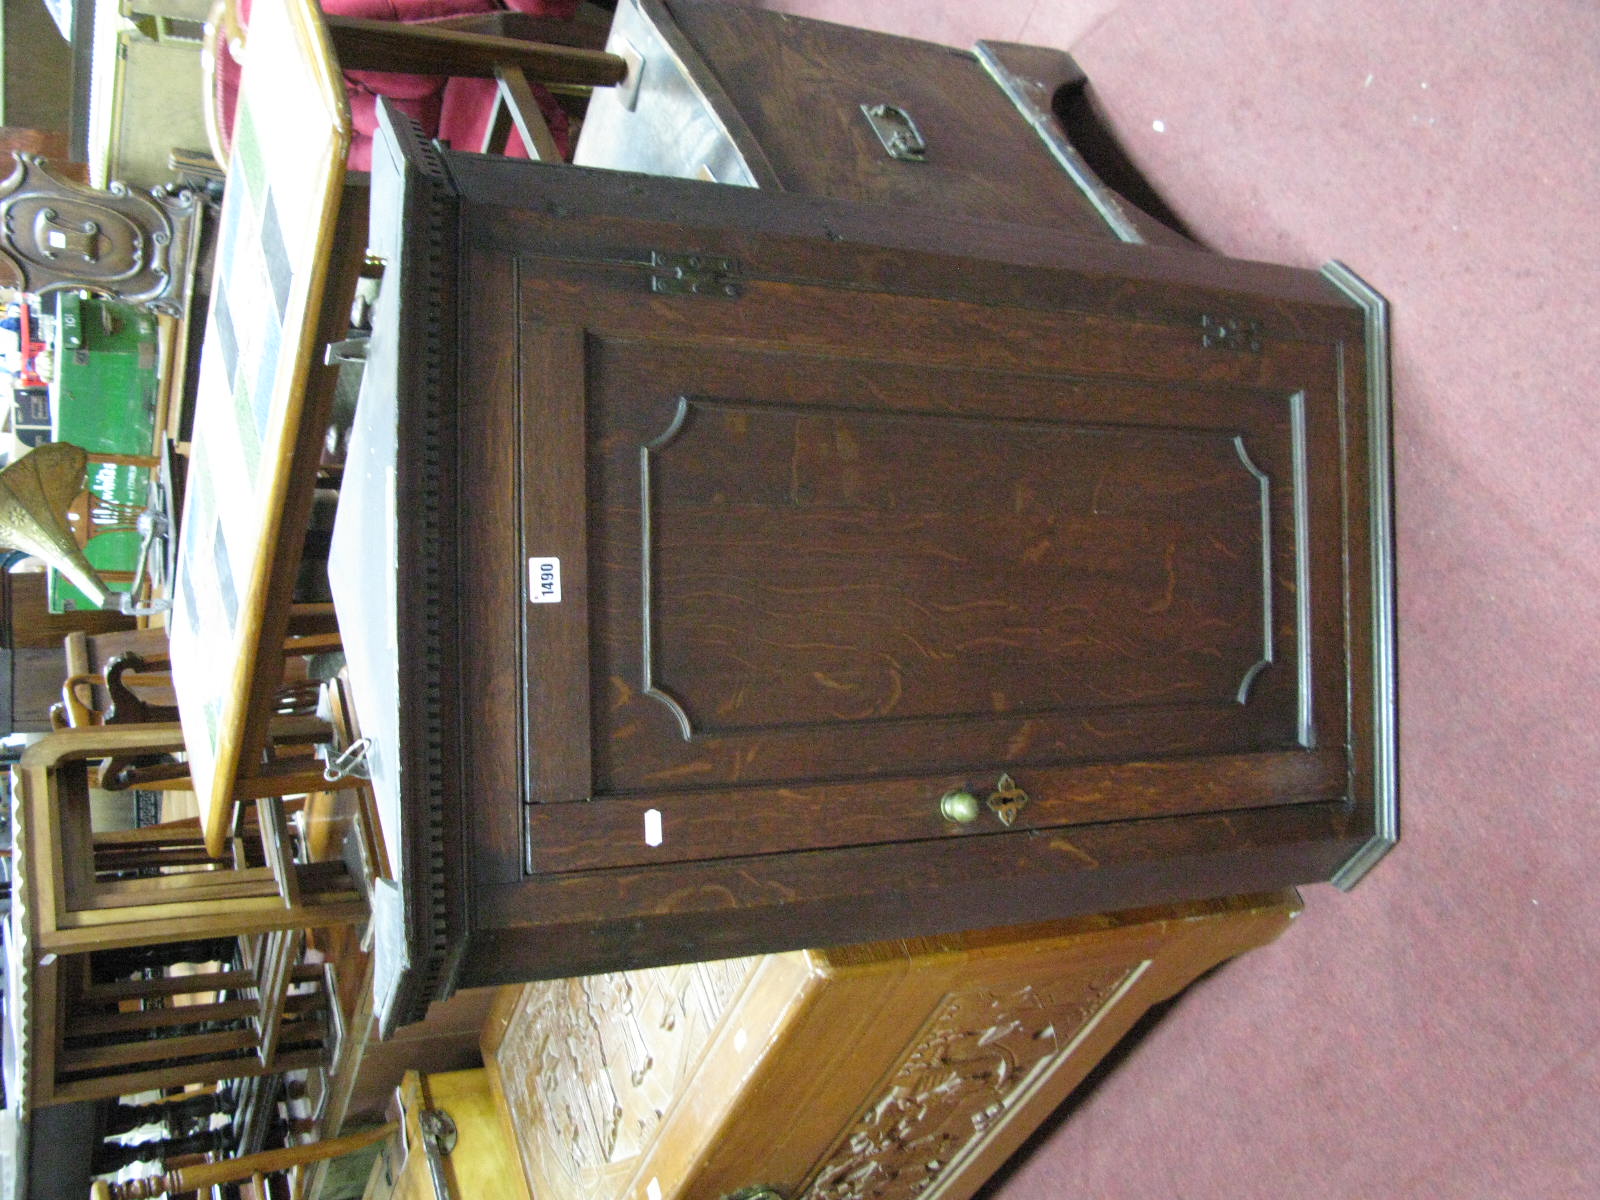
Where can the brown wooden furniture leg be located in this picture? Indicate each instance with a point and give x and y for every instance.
(207, 1175)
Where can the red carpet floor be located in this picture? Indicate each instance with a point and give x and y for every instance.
(1437, 1032)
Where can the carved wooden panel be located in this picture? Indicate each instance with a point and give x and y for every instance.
(131, 245)
(980, 1053)
(590, 1066)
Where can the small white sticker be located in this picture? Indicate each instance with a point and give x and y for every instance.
(544, 581)
(652, 827)
(653, 1189)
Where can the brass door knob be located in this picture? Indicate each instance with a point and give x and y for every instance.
(960, 806)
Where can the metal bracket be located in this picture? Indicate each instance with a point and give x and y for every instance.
(628, 89)
(897, 131)
(352, 760)
(352, 349)
(694, 275)
(438, 1140)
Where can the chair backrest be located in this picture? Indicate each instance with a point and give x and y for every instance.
(137, 247)
(187, 1023)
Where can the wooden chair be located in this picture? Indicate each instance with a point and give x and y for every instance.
(138, 247)
(85, 699)
(268, 1014)
(81, 896)
(111, 699)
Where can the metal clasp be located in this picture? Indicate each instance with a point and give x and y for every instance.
(352, 760)
(438, 1141)
(897, 131)
(352, 349)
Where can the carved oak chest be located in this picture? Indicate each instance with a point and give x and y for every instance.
(879, 1072)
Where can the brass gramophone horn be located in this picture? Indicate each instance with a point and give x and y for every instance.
(35, 492)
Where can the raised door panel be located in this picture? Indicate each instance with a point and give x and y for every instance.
(799, 581)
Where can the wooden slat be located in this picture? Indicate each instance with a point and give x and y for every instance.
(516, 98)
(552, 415)
(131, 1054)
(183, 887)
(187, 1014)
(110, 929)
(185, 830)
(177, 985)
(278, 953)
(276, 841)
(312, 643)
(114, 860)
(363, 45)
(183, 984)
(525, 27)
(308, 619)
(106, 1087)
(167, 985)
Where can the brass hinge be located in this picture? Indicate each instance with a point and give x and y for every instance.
(1230, 333)
(694, 275)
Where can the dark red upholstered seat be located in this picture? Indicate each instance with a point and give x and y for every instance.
(455, 110)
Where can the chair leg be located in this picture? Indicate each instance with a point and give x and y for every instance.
(276, 842)
(515, 105)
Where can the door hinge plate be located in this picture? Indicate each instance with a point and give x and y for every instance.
(1230, 333)
(695, 275)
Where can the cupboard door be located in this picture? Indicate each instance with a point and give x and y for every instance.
(845, 550)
